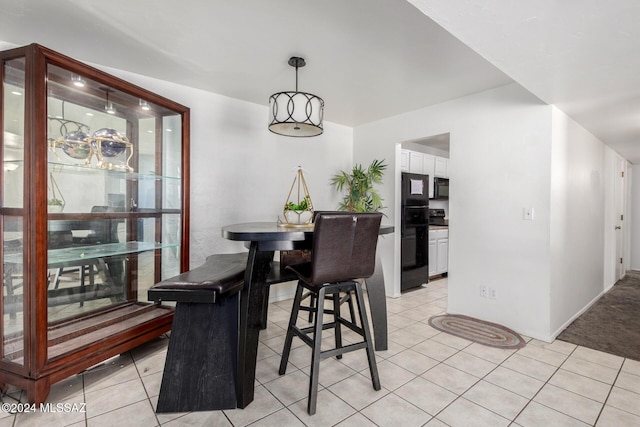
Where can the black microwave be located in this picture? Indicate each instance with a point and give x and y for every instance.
(440, 188)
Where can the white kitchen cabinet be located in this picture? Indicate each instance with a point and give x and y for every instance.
(404, 160)
(433, 252)
(416, 162)
(441, 167)
(442, 265)
(438, 251)
(427, 164)
(429, 169)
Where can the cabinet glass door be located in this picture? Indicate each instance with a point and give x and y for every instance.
(114, 200)
(11, 209)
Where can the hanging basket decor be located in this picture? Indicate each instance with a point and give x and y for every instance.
(54, 204)
(298, 208)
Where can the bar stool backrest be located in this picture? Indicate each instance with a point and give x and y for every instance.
(344, 246)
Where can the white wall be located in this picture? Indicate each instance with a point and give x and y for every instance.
(509, 151)
(577, 220)
(499, 163)
(241, 172)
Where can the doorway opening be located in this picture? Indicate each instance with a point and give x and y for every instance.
(423, 210)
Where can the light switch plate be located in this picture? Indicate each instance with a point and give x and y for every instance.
(527, 214)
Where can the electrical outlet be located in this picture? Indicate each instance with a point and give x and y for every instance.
(483, 291)
(492, 293)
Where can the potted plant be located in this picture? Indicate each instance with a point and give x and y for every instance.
(304, 205)
(361, 195)
(299, 213)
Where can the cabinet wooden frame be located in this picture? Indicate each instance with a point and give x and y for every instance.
(53, 351)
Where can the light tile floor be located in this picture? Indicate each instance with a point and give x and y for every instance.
(428, 378)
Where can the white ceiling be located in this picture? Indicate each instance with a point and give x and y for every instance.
(367, 59)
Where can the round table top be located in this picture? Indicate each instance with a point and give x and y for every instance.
(270, 231)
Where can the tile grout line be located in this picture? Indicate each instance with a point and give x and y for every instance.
(488, 373)
(547, 382)
(146, 392)
(393, 391)
(84, 397)
(468, 388)
(268, 415)
(604, 404)
(540, 389)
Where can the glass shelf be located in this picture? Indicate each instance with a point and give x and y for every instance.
(69, 255)
(131, 176)
(12, 165)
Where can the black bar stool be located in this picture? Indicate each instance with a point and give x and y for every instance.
(344, 249)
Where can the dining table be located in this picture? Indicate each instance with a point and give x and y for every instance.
(263, 239)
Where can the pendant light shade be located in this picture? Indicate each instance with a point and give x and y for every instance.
(296, 113)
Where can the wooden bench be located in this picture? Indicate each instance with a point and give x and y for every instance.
(200, 371)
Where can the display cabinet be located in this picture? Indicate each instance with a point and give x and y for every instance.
(94, 210)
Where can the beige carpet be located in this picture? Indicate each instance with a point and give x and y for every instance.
(612, 324)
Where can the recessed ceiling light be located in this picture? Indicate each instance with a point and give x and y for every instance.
(15, 92)
(149, 131)
(77, 80)
(169, 130)
(144, 105)
(88, 114)
(109, 108)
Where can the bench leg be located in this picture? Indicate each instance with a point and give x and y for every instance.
(201, 365)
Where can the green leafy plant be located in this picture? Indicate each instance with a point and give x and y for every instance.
(361, 195)
(304, 205)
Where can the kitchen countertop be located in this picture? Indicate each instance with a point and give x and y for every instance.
(438, 227)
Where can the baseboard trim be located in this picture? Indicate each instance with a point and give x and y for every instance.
(578, 314)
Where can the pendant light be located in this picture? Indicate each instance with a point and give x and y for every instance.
(296, 113)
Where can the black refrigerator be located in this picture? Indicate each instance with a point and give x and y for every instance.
(414, 230)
